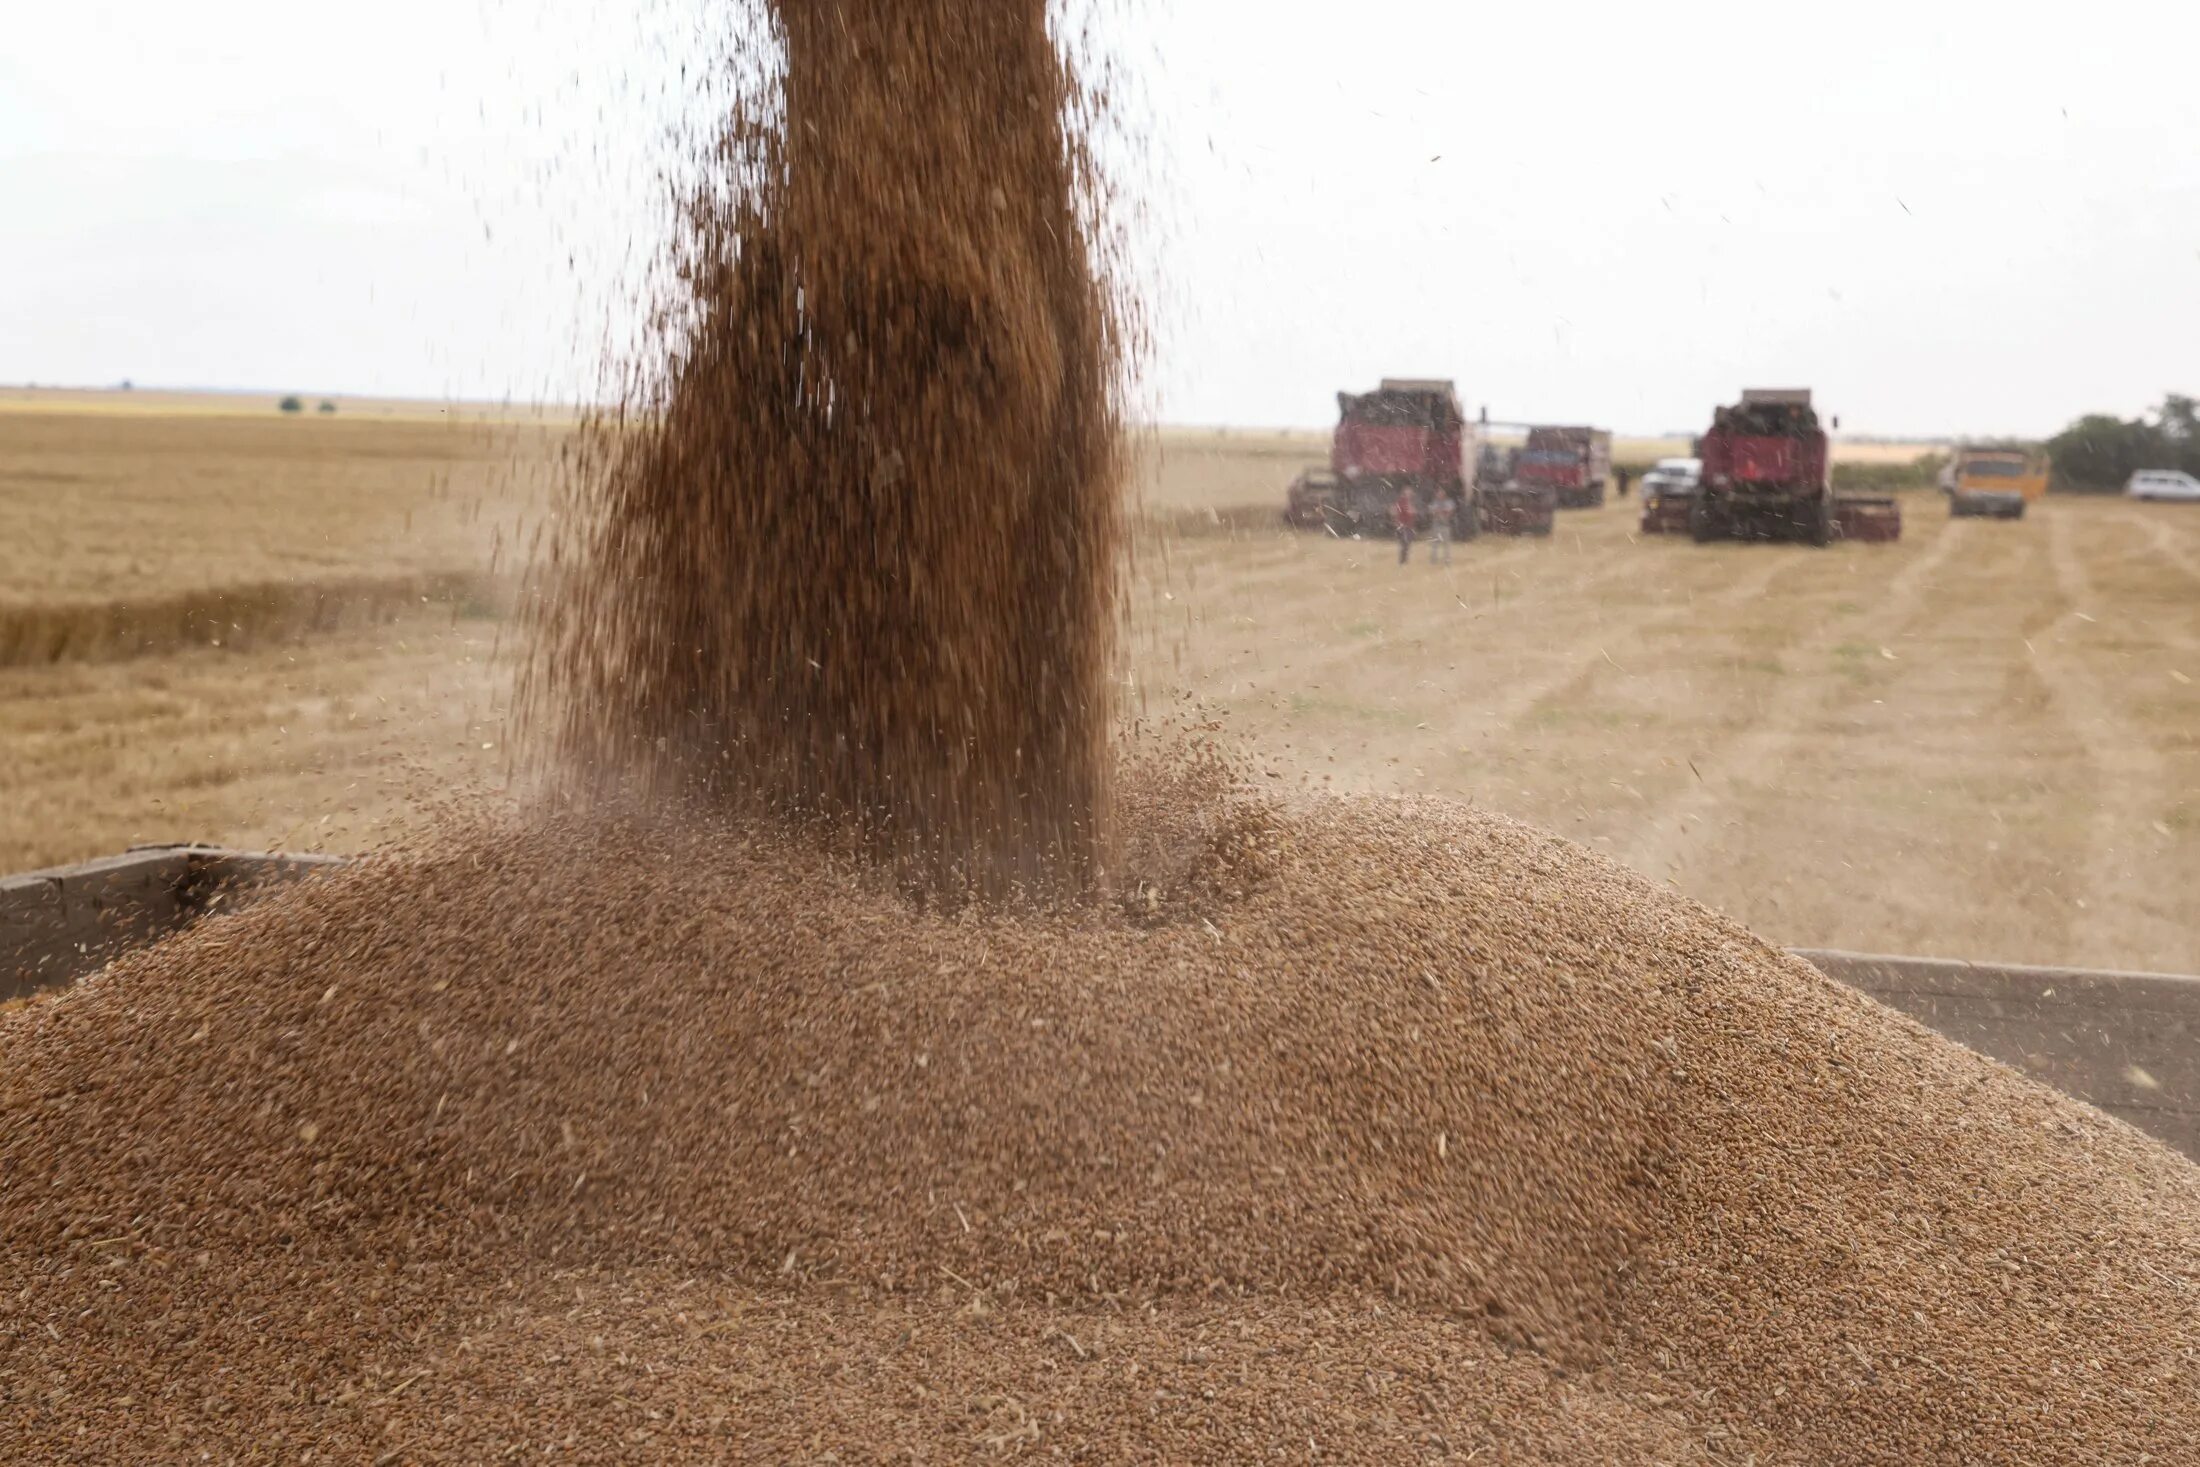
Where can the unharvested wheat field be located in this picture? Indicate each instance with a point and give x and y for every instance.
(1981, 742)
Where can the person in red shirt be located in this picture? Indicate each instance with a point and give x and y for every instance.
(1405, 514)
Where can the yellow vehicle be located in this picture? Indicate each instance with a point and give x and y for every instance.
(2000, 471)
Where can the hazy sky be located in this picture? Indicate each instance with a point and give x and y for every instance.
(1942, 218)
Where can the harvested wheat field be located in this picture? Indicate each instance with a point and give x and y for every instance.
(1977, 743)
(1981, 742)
(275, 632)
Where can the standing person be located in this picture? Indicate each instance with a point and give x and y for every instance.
(1624, 476)
(1441, 513)
(1405, 513)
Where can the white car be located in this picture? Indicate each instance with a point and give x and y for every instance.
(1673, 476)
(2163, 484)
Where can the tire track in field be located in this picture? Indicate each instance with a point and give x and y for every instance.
(1664, 838)
(1501, 704)
(2132, 782)
(2165, 541)
(1415, 607)
(1565, 680)
(1211, 587)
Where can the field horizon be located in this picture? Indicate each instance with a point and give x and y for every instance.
(253, 402)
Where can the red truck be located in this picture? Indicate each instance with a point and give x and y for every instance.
(1409, 434)
(1574, 463)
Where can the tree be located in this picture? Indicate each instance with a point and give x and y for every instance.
(327, 406)
(2103, 452)
(2179, 418)
(291, 405)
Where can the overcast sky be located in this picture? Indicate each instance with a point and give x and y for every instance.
(1943, 218)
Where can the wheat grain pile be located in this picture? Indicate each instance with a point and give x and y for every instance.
(1395, 1128)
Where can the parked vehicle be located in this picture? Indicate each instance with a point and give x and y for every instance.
(1986, 504)
(1576, 464)
(2163, 484)
(2019, 471)
(1675, 476)
(1667, 491)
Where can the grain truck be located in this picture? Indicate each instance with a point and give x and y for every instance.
(1994, 483)
(1574, 463)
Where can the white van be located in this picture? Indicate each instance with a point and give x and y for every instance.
(2163, 484)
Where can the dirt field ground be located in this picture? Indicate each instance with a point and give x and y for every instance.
(1982, 742)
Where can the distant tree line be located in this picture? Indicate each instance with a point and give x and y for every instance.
(2100, 453)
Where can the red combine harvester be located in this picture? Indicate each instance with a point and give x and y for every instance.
(1575, 464)
(1409, 434)
(1768, 475)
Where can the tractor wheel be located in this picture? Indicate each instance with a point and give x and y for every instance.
(1703, 521)
(1819, 527)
